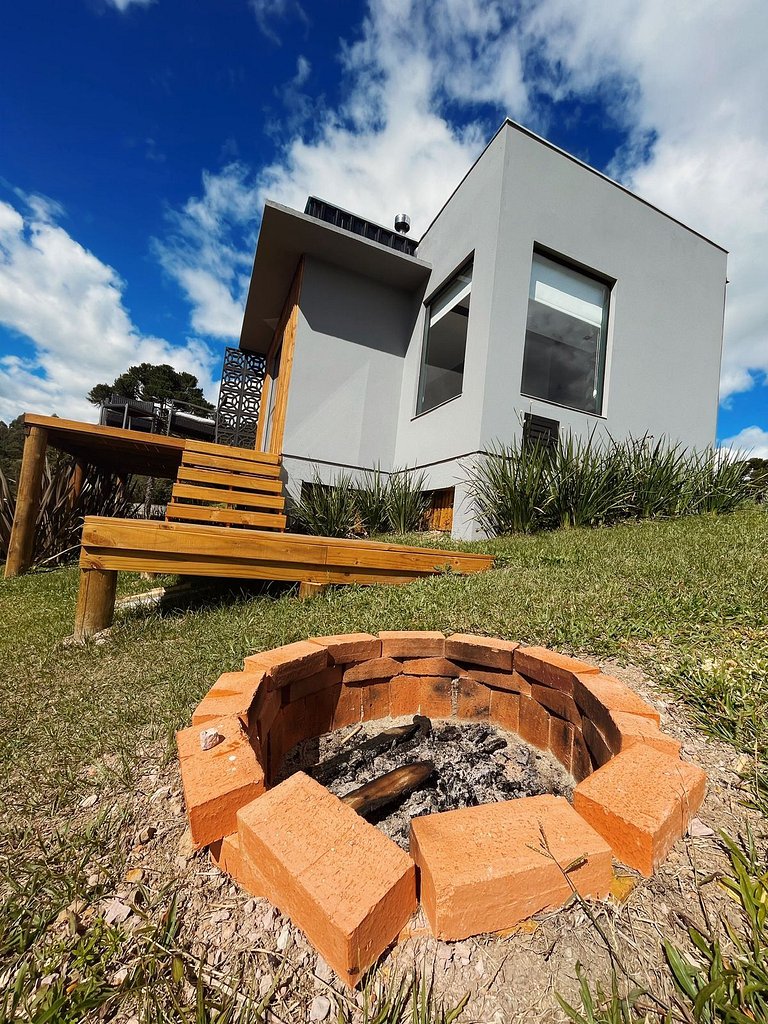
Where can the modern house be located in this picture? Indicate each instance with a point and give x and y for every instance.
(543, 297)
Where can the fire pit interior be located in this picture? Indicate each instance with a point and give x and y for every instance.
(391, 775)
(348, 778)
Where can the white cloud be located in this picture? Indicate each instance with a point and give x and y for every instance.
(687, 83)
(123, 5)
(749, 443)
(69, 305)
(209, 250)
(268, 12)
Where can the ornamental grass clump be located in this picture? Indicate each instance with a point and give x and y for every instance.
(523, 487)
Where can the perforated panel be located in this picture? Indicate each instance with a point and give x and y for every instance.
(242, 378)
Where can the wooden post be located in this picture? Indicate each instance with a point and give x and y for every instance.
(22, 542)
(309, 590)
(95, 602)
(76, 483)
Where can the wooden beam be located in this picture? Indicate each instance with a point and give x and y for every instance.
(76, 482)
(95, 602)
(22, 541)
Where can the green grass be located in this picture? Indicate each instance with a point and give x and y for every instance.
(685, 599)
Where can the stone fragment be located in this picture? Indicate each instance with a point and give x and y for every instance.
(320, 1008)
(209, 738)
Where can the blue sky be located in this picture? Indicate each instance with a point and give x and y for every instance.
(139, 139)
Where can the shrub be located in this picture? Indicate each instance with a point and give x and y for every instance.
(327, 510)
(59, 520)
(406, 501)
(524, 488)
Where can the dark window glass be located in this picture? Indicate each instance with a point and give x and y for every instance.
(445, 342)
(565, 336)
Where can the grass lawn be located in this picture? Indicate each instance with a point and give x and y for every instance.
(684, 600)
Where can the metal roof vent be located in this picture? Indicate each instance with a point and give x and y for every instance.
(402, 223)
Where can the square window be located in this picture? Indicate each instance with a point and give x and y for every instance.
(445, 342)
(564, 358)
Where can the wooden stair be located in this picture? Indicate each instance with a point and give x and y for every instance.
(234, 487)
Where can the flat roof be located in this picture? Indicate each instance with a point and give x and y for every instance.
(284, 237)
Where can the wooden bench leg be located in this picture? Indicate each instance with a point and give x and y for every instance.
(95, 602)
(308, 590)
(22, 541)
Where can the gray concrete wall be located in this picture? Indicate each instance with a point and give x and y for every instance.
(347, 368)
(666, 309)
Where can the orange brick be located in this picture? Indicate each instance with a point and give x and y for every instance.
(265, 710)
(624, 730)
(319, 681)
(559, 703)
(481, 650)
(343, 882)
(347, 706)
(486, 868)
(347, 647)
(505, 710)
(404, 696)
(474, 700)
(435, 696)
(641, 803)
(219, 781)
(597, 694)
(227, 856)
(597, 744)
(233, 693)
(374, 701)
(430, 667)
(511, 681)
(412, 644)
(550, 668)
(534, 723)
(581, 762)
(561, 735)
(287, 664)
(377, 668)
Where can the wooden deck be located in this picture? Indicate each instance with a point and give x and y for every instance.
(110, 546)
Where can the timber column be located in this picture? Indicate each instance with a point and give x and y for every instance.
(21, 544)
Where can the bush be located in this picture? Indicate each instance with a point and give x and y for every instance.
(522, 488)
(377, 502)
(59, 520)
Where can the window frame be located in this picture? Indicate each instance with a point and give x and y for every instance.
(601, 367)
(445, 284)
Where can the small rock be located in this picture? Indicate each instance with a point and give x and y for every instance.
(134, 876)
(145, 835)
(116, 912)
(268, 921)
(90, 801)
(209, 738)
(160, 794)
(185, 849)
(266, 984)
(249, 907)
(444, 953)
(120, 976)
(283, 939)
(220, 916)
(462, 952)
(698, 830)
(320, 1008)
(322, 971)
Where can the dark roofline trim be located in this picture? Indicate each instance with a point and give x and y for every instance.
(574, 159)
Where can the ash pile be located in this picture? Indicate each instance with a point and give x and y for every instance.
(390, 776)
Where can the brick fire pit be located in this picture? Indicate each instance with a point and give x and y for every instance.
(475, 869)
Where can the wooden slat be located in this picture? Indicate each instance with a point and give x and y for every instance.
(249, 455)
(226, 516)
(225, 463)
(239, 481)
(218, 496)
(107, 541)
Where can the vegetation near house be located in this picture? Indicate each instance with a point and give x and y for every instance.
(149, 381)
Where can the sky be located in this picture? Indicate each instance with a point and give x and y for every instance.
(139, 140)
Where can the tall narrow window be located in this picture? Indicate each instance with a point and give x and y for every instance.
(445, 341)
(564, 356)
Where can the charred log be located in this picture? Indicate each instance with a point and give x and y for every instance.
(389, 788)
(386, 740)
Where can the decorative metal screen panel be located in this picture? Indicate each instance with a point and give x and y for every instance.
(242, 378)
(538, 430)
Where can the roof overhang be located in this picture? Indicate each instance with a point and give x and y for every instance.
(285, 236)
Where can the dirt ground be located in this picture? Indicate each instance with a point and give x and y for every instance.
(510, 977)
